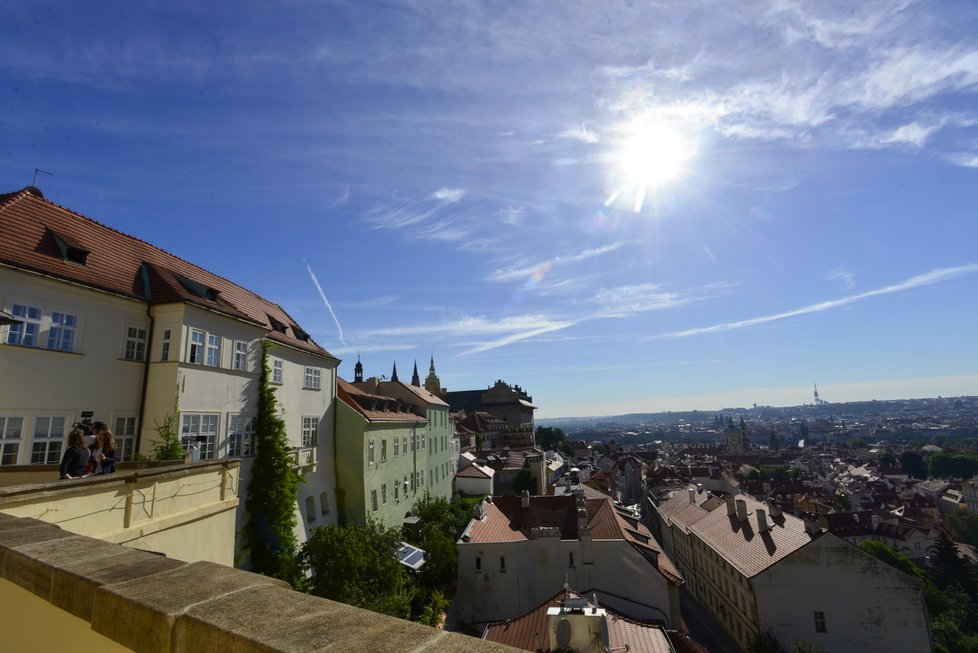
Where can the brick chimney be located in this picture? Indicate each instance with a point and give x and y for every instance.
(731, 510)
(762, 524)
(741, 510)
(774, 509)
(525, 499)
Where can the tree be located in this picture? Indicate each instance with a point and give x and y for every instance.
(888, 459)
(357, 564)
(842, 503)
(548, 437)
(953, 465)
(892, 558)
(525, 480)
(964, 526)
(270, 527)
(913, 464)
(168, 446)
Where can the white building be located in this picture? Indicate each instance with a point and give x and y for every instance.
(105, 322)
(519, 551)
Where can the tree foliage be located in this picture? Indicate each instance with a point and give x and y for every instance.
(525, 480)
(913, 464)
(168, 446)
(964, 526)
(271, 502)
(953, 465)
(548, 437)
(357, 564)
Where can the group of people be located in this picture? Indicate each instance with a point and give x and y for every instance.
(85, 457)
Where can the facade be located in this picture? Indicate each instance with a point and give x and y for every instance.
(380, 464)
(517, 552)
(509, 404)
(107, 323)
(755, 568)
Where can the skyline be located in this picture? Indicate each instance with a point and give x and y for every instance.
(619, 208)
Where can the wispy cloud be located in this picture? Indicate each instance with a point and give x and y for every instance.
(518, 337)
(926, 279)
(322, 296)
(343, 198)
(526, 270)
(638, 298)
(448, 195)
(845, 276)
(580, 133)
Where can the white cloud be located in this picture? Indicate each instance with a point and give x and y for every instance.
(912, 134)
(964, 159)
(448, 195)
(525, 270)
(846, 276)
(638, 298)
(926, 279)
(580, 133)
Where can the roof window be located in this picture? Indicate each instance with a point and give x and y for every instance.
(300, 334)
(70, 249)
(276, 325)
(197, 288)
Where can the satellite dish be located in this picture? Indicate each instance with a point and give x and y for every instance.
(564, 630)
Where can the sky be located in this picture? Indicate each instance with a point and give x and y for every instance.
(619, 206)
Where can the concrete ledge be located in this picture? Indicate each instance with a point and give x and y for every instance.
(146, 602)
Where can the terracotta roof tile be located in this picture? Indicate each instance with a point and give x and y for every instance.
(124, 265)
(359, 400)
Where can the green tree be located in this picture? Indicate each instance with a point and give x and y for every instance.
(357, 564)
(913, 464)
(842, 503)
(548, 437)
(953, 465)
(270, 527)
(168, 446)
(892, 558)
(525, 480)
(964, 526)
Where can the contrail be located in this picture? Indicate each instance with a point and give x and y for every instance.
(326, 301)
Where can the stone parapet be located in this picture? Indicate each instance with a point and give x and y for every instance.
(103, 596)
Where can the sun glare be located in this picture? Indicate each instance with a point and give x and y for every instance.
(651, 154)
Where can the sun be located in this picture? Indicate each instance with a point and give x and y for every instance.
(650, 154)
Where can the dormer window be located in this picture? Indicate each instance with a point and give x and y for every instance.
(197, 288)
(276, 325)
(300, 334)
(70, 249)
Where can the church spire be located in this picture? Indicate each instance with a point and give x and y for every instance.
(432, 383)
(358, 370)
(415, 379)
(394, 373)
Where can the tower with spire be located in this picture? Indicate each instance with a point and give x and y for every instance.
(358, 371)
(415, 379)
(394, 373)
(431, 382)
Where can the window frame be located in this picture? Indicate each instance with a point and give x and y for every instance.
(21, 329)
(195, 349)
(312, 379)
(134, 347)
(370, 451)
(310, 431)
(278, 372)
(241, 435)
(52, 442)
(125, 441)
(240, 361)
(165, 346)
(212, 355)
(820, 624)
(209, 446)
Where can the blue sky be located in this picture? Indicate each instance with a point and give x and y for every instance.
(620, 207)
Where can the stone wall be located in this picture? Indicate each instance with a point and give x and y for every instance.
(65, 591)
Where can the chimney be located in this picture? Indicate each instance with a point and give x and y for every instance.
(762, 524)
(730, 505)
(692, 495)
(773, 508)
(812, 527)
(741, 510)
(525, 499)
(875, 519)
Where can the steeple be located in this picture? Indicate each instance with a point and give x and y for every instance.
(415, 379)
(394, 373)
(432, 383)
(358, 371)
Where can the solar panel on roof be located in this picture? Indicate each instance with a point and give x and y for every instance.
(410, 556)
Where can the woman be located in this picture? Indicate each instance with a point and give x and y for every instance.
(108, 452)
(75, 460)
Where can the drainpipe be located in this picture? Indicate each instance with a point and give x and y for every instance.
(149, 348)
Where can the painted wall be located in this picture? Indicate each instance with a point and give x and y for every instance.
(867, 605)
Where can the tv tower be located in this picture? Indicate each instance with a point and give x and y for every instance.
(818, 401)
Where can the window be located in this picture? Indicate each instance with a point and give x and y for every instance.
(213, 350)
(49, 434)
(310, 509)
(310, 431)
(276, 370)
(199, 425)
(478, 563)
(383, 494)
(240, 435)
(135, 344)
(370, 452)
(383, 450)
(502, 563)
(373, 500)
(404, 444)
(240, 355)
(396, 491)
(570, 559)
(61, 335)
(25, 331)
(125, 438)
(820, 622)
(10, 433)
(165, 347)
(397, 442)
(312, 378)
(196, 354)
(324, 502)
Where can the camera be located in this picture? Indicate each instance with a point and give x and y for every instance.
(86, 422)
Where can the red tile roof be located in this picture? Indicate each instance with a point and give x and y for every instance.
(124, 265)
(531, 631)
(740, 543)
(375, 408)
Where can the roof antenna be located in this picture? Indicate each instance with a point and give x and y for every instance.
(37, 170)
